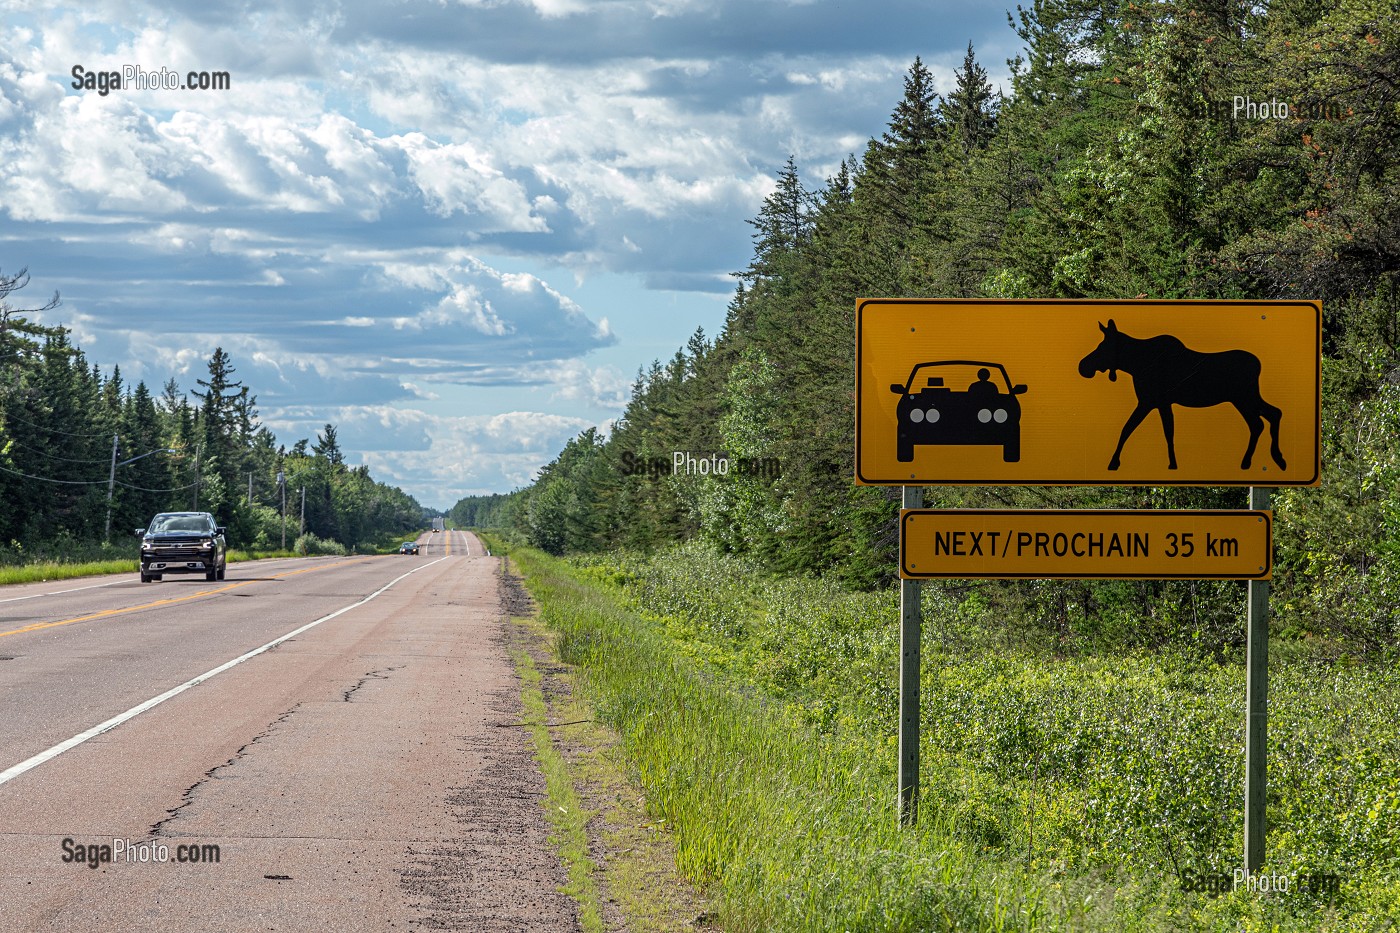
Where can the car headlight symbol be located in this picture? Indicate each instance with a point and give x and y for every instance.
(916, 415)
(984, 415)
(1000, 415)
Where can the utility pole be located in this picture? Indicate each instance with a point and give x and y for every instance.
(303, 510)
(111, 484)
(112, 476)
(282, 485)
(250, 489)
(195, 507)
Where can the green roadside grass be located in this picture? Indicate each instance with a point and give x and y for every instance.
(756, 716)
(785, 828)
(236, 556)
(1104, 767)
(54, 570)
(620, 861)
(567, 818)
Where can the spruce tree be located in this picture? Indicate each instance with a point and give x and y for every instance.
(969, 111)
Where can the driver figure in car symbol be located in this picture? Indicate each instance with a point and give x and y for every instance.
(931, 412)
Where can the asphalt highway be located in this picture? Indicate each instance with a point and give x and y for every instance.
(310, 744)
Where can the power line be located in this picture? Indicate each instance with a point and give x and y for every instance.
(65, 482)
(91, 482)
(144, 489)
(9, 416)
(54, 456)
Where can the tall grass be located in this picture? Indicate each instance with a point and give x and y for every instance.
(48, 570)
(565, 811)
(1059, 791)
(791, 829)
(65, 558)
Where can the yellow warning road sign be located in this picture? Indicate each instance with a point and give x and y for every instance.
(1074, 544)
(1042, 392)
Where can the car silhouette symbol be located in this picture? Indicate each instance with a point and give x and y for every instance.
(959, 402)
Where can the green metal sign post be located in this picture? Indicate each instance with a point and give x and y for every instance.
(910, 661)
(1257, 709)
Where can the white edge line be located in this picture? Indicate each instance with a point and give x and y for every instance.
(11, 773)
(95, 586)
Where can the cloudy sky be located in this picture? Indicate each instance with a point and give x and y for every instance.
(453, 228)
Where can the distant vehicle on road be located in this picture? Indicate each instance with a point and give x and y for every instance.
(958, 402)
(182, 542)
(409, 547)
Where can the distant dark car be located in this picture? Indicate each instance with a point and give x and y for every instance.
(958, 402)
(182, 542)
(409, 547)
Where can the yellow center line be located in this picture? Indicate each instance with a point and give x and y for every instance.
(449, 544)
(176, 599)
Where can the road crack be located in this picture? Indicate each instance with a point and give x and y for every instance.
(187, 798)
(380, 674)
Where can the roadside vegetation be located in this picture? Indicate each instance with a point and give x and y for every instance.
(567, 818)
(619, 860)
(1096, 788)
(43, 571)
(1082, 758)
(1114, 166)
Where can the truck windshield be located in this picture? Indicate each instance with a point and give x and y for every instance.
(175, 524)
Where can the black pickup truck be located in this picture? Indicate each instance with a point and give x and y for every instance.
(182, 542)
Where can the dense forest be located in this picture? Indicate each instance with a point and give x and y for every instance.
(1117, 165)
(63, 424)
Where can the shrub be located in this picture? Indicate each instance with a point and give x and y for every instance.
(308, 544)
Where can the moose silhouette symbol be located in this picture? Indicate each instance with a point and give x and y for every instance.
(1166, 372)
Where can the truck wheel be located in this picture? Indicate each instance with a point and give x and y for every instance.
(905, 450)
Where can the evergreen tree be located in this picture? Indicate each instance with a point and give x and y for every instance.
(142, 484)
(783, 226)
(969, 110)
(899, 171)
(327, 446)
